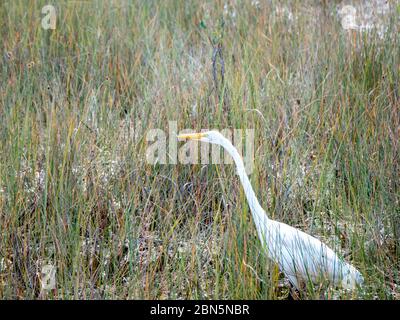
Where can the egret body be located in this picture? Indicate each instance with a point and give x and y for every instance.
(300, 256)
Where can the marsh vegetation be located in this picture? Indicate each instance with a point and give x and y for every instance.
(76, 104)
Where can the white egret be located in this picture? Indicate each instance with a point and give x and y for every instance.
(299, 256)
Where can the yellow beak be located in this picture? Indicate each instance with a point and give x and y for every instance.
(192, 136)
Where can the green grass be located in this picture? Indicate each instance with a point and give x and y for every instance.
(75, 188)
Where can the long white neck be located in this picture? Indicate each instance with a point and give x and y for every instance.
(257, 211)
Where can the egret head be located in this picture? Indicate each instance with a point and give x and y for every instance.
(208, 136)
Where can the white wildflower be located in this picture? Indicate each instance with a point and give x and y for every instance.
(348, 14)
(255, 3)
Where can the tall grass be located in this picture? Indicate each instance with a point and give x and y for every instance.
(76, 190)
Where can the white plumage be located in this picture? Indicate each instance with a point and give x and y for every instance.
(300, 256)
